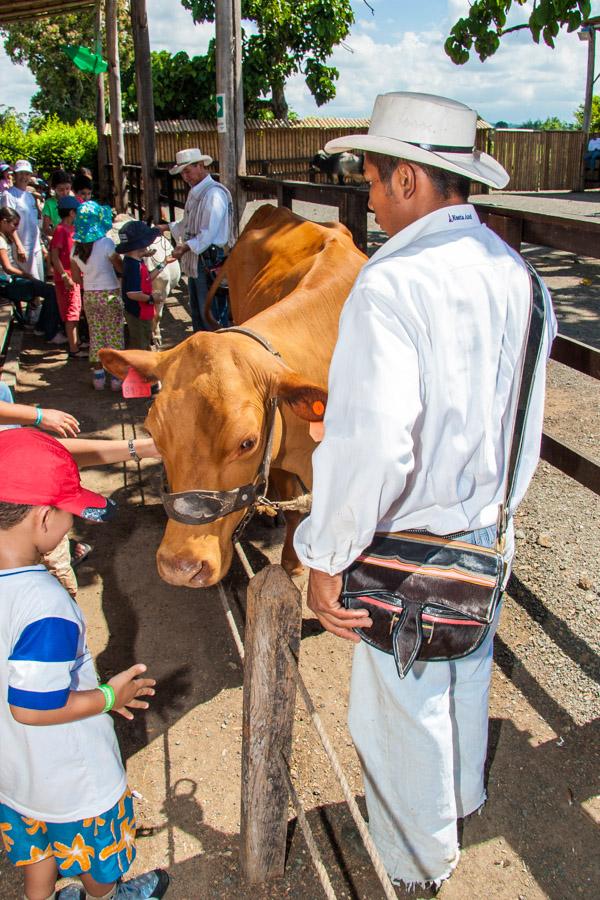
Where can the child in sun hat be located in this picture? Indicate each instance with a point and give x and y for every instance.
(65, 809)
(136, 286)
(92, 267)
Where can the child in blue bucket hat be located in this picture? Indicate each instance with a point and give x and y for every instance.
(93, 268)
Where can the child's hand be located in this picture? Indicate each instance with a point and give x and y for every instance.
(128, 687)
(61, 423)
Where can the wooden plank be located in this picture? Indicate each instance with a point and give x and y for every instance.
(576, 355)
(274, 617)
(558, 232)
(574, 464)
(145, 98)
(116, 117)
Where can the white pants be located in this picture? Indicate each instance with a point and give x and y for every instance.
(422, 743)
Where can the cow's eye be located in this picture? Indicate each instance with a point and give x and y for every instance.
(248, 444)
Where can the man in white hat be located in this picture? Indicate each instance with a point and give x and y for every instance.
(420, 394)
(204, 230)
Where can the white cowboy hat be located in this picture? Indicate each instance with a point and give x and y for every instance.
(22, 165)
(186, 157)
(426, 129)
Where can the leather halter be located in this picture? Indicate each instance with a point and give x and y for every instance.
(200, 507)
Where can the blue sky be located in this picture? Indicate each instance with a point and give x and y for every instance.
(400, 47)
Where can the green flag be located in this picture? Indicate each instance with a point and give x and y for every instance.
(85, 60)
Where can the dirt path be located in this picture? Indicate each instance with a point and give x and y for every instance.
(538, 836)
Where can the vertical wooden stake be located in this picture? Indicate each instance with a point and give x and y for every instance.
(103, 183)
(273, 618)
(116, 120)
(145, 98)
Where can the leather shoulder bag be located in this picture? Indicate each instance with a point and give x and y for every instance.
(434, 597)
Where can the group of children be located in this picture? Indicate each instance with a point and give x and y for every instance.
(86, 265)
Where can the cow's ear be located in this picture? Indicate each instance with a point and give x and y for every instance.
(307, 400)
(118, 362)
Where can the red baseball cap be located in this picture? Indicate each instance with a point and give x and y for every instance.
(38, 470)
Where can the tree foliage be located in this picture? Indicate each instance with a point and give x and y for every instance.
(49, 145)
(292, 36)
(63, 90)
(183, 87)
(485, 25)
(552, 123)
(595, 119)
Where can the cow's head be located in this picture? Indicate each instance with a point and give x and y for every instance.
(209, 423)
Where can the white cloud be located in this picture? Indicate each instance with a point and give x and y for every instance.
(521, 81)
(18, 84)
(172, 28)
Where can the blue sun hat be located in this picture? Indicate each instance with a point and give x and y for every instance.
(92, 222)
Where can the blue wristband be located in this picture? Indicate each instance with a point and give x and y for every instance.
(38, 418)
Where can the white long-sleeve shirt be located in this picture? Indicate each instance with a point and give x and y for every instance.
(206, 220)
(421, 397)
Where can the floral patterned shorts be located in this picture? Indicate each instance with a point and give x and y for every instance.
(103, 846)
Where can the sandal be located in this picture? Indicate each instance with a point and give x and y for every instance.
(78, 354)
(84, 552)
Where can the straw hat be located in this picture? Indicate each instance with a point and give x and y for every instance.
(427, 129)
(186, 157)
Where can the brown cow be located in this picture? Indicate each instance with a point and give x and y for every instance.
(209, 421)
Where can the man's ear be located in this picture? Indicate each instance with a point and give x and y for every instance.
(118, 362)
(307, 400)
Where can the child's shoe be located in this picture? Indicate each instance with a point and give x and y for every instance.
(150, 886)
(115, 383)
(99, 379)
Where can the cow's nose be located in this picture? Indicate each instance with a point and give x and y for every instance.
(183, 572)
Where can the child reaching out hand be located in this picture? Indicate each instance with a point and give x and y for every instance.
(65, 808)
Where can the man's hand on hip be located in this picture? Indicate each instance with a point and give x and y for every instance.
(324, 599)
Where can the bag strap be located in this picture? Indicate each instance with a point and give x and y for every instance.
(529, 360)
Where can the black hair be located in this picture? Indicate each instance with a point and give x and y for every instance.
(447, 184)
(9, 215)
(12, 514)
(64, 213)
(59, 176)
(80, 182)
(83, 250)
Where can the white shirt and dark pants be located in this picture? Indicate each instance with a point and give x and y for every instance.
(205, 228)
(417, 430)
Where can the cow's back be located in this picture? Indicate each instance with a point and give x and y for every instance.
(277, 252)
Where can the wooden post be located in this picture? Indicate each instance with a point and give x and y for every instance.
(274, 617)
(102, 155)
(145, 98)
(230, 103)
(587, 106)
(116, 121)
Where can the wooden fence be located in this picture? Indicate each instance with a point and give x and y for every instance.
(535, 160)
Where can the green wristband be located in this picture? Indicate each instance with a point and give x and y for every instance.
(38, 418)
(109, 696)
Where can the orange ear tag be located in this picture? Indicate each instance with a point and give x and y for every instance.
(317, 431)
(318, 408)
(135, 385)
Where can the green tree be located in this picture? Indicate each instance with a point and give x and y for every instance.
(485, 25)
(595, 118)
(552, 123)
(292, 36)
(183, 87)
(64, 90)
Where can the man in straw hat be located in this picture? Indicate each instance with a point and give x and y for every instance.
(415, 438)
(204, 230)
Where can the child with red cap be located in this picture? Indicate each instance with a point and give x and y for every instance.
(65, 808)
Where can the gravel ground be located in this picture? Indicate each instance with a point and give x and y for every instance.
(538, 836)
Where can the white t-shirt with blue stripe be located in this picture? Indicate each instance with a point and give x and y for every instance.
(55, 773)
